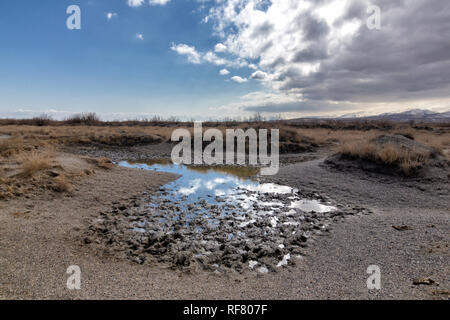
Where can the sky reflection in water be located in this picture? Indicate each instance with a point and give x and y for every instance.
(237, 186)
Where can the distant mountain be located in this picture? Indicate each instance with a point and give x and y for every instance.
(355, 115)
(418, 115)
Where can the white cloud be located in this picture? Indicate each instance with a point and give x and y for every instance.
(183, 49)
(140, 36)
(224, 72)
(238, 79)
(138, 3)
(321, 54)
(211, 57)
(259, 75)
(196, 57)
(220, 47)
(159, 2)
(135, 3)
(111, 15)
(278, 34)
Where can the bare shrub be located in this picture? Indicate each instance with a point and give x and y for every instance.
(84, 118)
(42, 120)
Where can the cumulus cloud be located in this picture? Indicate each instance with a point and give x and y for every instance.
(111, 15)
(211, 57)
(183, 49)
(224, 72)
(159, 2)
(138, 3)
(238, 79)
(135, 3)
(196, 57)
(140, 36)
(259, 75)
(323, 54)
(220, 47)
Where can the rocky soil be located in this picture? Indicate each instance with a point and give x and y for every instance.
(219, 237)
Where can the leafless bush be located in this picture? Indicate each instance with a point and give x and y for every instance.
(84, 119)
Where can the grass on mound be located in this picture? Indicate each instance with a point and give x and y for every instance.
(405, 160)
(35, 162)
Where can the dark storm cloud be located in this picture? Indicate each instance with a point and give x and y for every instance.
(313, 28)
(262, 30)
(313, 53)
(410, 55)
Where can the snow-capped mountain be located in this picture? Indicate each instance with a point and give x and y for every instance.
(418, 115)
(414, 115)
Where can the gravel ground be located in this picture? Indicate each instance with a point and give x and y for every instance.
(41, 237)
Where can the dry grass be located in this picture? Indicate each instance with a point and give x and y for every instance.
(132, 135)
(28, 157)
(103, 163)
(62, 184)
(34, 162)
(11, 146)
(439, 142)
(407, 161)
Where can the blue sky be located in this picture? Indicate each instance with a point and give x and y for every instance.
(104, 67)
(276, 56)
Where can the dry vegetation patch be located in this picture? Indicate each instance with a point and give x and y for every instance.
(29, 157)
(391, 155)
(11, 146)
(30, 164)
(62, 184)
(34, 162)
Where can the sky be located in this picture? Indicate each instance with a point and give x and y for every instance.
(216, 59)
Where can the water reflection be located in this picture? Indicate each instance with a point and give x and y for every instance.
(235, 171)
(233, 189)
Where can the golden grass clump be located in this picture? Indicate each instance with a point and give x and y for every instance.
(62, 184)
(389, 155)
(35, 162)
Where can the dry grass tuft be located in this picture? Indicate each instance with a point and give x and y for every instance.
(35, 162)
(103, 163)
(407, 161)
(62, 184)
(11, 146)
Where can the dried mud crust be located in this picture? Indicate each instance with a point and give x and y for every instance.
(153, 151)
(162, 151)
(201, 238)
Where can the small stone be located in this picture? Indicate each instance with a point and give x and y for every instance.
(263, 270)
(425, 281)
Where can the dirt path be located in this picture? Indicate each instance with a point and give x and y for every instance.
(40, 238)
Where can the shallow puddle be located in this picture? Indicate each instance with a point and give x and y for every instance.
(234, 189)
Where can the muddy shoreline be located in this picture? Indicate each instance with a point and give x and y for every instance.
(263, 232)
